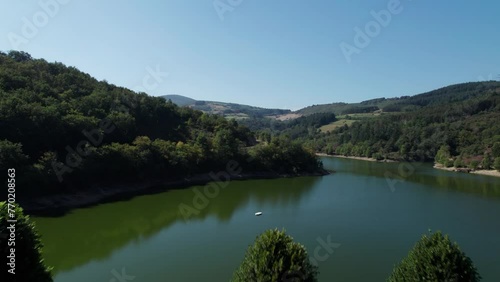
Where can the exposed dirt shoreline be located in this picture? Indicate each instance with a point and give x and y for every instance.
(356, 158)
(60, 204)
(488, 172)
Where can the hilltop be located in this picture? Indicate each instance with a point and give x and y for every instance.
(179, 100)
(66, 133)
(444, 95)
(229, 110)
(354, 111)
(456, 126)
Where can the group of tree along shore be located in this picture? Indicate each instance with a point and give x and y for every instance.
(471, 168)
(466, 131)
(455, 126)
(466, 163)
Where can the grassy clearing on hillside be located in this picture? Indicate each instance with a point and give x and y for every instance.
(284, 117)
(336, 124)
(347, 120)
(359, 116)
(238, 116)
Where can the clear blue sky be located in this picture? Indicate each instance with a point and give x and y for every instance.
(276, 53)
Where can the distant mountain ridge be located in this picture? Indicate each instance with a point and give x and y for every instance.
(444, 95)
(233, 110)
(179, 100)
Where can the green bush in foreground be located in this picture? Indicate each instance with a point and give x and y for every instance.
(275, 257)
(435, 258)
(29, 265)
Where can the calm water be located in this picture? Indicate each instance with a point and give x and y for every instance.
(374, 219)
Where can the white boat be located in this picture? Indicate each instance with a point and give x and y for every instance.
(258, 213)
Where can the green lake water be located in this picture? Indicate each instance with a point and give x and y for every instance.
(371, 213)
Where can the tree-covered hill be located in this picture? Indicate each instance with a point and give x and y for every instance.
(455, 125)
(295, 128)
(442, 96)
(463, 125)
(179, 100)
(231, 110)
(340, 108)
(60, 128)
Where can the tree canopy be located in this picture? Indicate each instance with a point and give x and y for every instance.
(435, 258)
(274, 256)
(61, 128)
(29, 264)
(465, 127)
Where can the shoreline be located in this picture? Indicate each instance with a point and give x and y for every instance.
(60, 204)
(356, 158)
(486, 172)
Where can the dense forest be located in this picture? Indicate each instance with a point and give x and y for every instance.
(224, 109)
(442, 96)
(60, 128)
(456, 123)
(302, 127)
(455, 126)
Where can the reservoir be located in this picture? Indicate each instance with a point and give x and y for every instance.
(355, 223)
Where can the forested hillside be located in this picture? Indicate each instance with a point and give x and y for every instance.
(179, 100)
(457, 125)
(302, 127)
(463, 126)
(231, 110)
(442, 96)
(60, 128)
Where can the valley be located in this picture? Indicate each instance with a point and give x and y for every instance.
(232, 140)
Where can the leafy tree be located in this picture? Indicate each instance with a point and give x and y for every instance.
(496, 150)
(275, 257)
(474, 164)
(19, 56)
(486, 162)
(458, 162)
(497, 164)
(378, 156)
(29, 265)
(11, 155)
(265, 136)
(443, 155)
(285, 156)
(435, 258)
